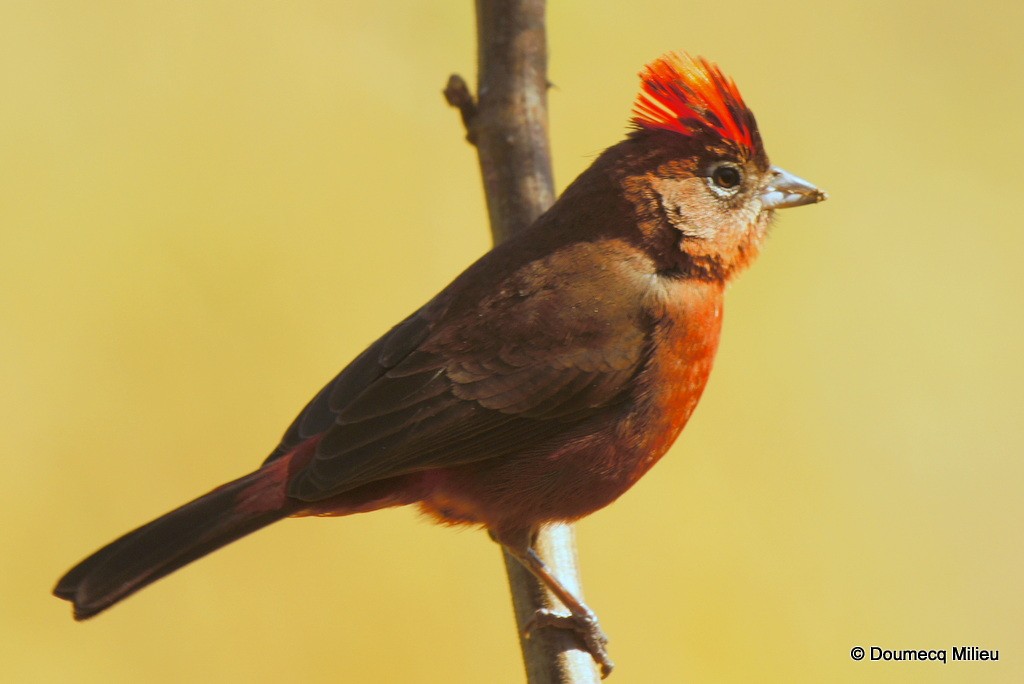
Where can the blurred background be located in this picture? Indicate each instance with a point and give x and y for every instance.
(208, 208)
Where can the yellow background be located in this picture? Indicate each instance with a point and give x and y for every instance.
(207, 208)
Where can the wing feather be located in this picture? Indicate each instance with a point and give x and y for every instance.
(487, 379)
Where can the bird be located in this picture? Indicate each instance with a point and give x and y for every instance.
(541, 383)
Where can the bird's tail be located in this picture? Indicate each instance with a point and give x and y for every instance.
(162, 546)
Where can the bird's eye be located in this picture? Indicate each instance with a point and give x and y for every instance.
(726, 177)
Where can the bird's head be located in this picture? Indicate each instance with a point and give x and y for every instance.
(696, 171)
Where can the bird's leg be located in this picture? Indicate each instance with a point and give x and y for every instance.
(581, 619)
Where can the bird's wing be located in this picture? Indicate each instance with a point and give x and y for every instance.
(319, 414)
(506, 374)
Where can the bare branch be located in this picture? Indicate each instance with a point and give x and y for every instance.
(511, 125)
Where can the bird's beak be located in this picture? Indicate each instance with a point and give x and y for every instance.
(786, 190)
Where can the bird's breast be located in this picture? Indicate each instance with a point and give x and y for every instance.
(683, 346)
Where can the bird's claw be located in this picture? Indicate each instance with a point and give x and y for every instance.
(584, 625)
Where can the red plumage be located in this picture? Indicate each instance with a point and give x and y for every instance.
(683, 94)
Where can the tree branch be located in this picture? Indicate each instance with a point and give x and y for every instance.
(511, 122)
(509, 126)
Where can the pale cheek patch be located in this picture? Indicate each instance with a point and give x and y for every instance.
(685, 203)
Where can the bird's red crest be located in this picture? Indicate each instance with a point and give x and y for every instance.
(686, 95)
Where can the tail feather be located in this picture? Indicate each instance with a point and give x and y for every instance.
(160, 547)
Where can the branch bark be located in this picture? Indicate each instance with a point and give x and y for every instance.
(509, 126)
(511, 123)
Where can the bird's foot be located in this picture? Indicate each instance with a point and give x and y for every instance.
(585, 625)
